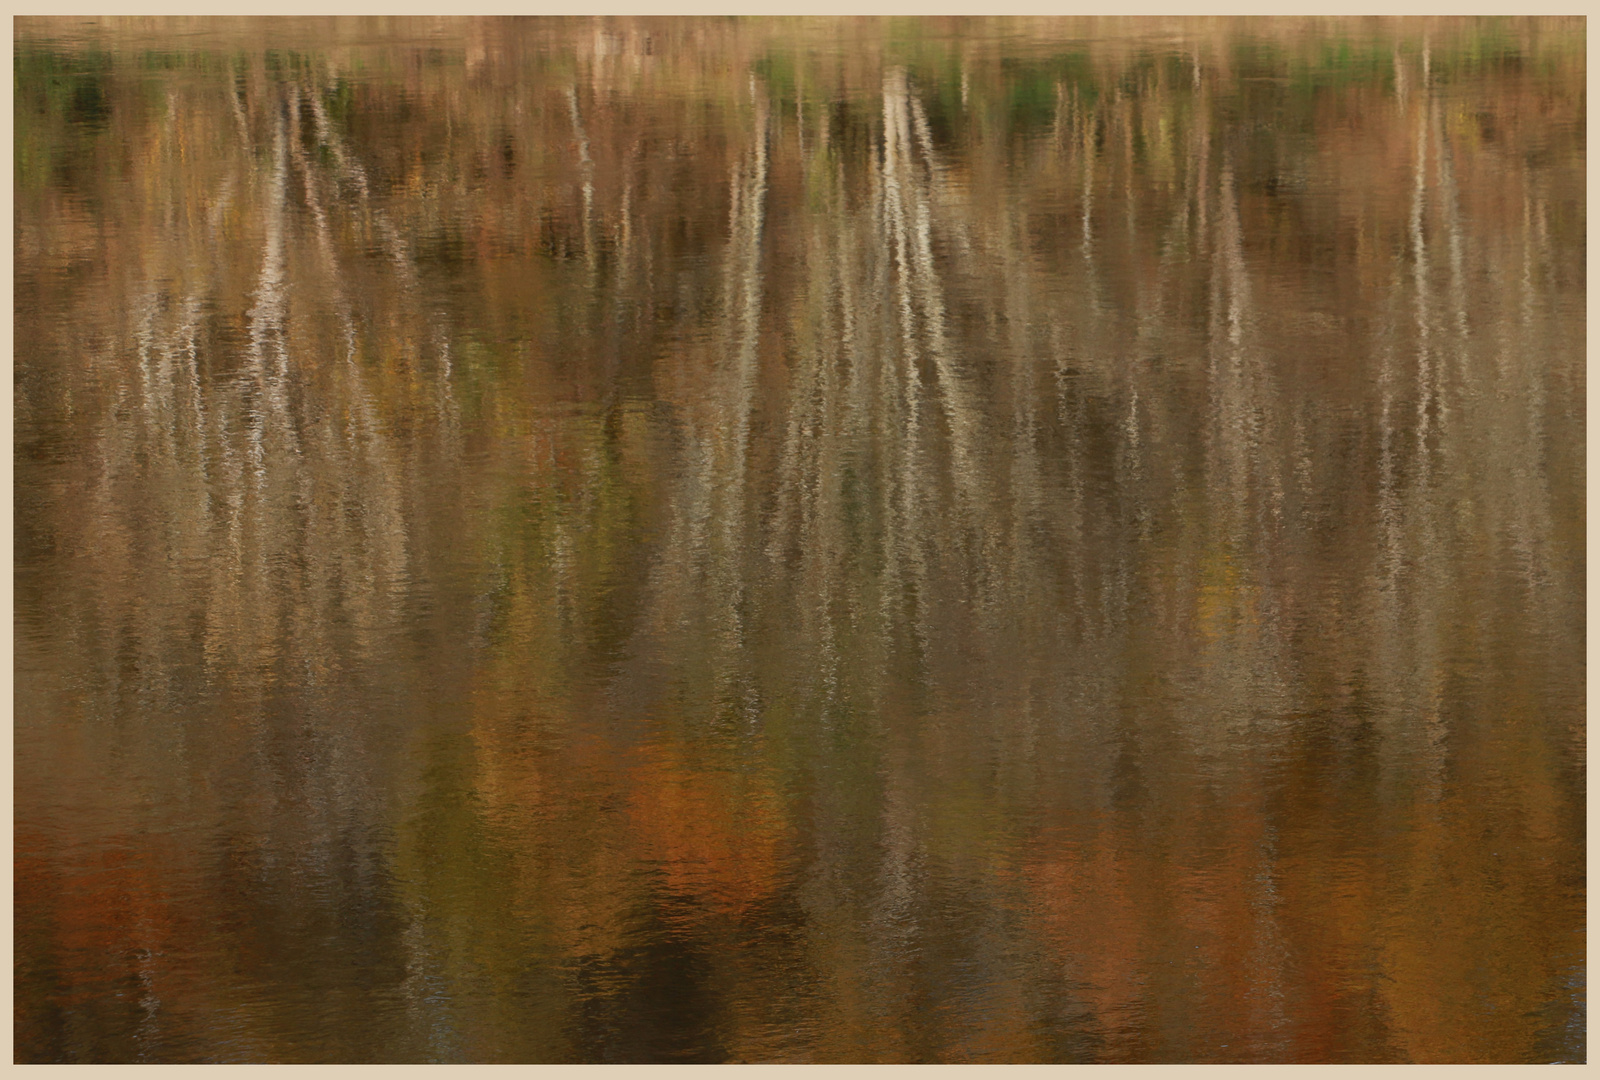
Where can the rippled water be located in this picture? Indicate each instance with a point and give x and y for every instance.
(829, 541)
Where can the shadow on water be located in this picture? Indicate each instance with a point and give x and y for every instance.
(652, 1002)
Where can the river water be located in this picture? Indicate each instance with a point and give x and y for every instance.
(726, 540)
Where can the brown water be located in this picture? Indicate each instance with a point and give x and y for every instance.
(832, 541)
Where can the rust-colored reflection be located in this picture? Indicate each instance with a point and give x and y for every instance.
(736, 540)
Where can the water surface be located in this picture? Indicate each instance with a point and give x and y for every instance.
(700, 540)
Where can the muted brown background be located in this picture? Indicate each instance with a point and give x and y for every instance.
(509, 568)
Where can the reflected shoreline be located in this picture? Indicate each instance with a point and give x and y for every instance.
(881, 540)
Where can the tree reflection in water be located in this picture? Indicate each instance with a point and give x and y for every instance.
(670, 540)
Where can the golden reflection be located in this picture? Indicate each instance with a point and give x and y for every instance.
(817, 540)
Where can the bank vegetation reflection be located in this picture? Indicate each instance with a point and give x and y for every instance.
(692, 540)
